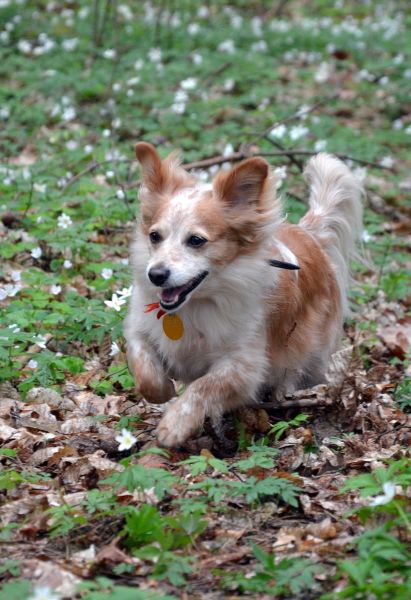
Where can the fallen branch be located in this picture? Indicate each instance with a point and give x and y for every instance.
(237, 156)
(306, 403)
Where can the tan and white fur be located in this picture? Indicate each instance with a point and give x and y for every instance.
(247, 325)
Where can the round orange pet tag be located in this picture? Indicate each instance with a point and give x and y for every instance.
(173, 327)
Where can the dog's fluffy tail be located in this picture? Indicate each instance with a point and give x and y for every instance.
(335, 215)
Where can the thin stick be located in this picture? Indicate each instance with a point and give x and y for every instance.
(304, 402)
(289, 155)
(237, 156)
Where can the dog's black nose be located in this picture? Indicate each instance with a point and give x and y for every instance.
(158, 275)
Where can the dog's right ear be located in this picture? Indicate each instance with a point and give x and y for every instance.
(152, 172)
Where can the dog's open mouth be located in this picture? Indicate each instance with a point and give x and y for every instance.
(172, 297)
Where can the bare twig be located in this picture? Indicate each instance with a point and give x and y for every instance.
(92, 167)
(289, 155)
(237, 156)
(296, 403)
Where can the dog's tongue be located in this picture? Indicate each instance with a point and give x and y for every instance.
(170, 295)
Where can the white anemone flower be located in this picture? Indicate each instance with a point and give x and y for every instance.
(44, 593)
(389, 494)
(115, 303)
(278, 131)
(114, 349)
(126, 440)
(107, 273)
(125, 292)
(36, 252)
(64, 221)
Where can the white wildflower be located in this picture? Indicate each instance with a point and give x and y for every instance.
(125, 292)
(88, 148)
(41, 341)
(124, 261)
(189, 84)
(120, 194)
(71, 145)
(193, 28)
(360, 173)
(36, 252)
(236, 21)
(228, 47)
(196, 58)
(40, 187)
(15, 275)
(106, 133)
(387, 161)
(43, 592)
(407, 130)
(69, 113)
(33, 364)
(320, 145)
(3, 294)
(203, 12)
(12, 290)
(303, 111)
(70, 44)
(228, 150)
(55, 289)
(4, 113)
(138, 65)
(115, 303)
(109, 174)
(178, 108)
(228, 85)
(116, 123)
(297, 132)
(155, 55)
(278, 131)
(107, 273)
(110, 53)
(133, 81)
(114, 349)
(366, 236)
(24, 46)
(280, 174)
(15, 328)
(126, 440)
(323, 72)
(64, 221)
(260, 46)
(125, 11)
(389, 494)
(67, 264)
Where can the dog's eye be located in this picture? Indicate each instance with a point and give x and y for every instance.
(155, 237)
(195, 241)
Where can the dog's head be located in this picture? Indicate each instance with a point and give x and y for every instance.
(192, 229)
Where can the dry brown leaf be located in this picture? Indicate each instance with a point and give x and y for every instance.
(397, 337)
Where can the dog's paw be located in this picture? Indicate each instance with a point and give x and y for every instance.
(181, 420)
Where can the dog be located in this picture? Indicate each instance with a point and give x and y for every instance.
(209, 309)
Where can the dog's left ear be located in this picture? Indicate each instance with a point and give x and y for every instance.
(243, 185)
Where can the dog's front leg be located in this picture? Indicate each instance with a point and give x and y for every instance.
(220, 390)
(150, 379)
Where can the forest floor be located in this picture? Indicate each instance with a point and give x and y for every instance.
(310, 500)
